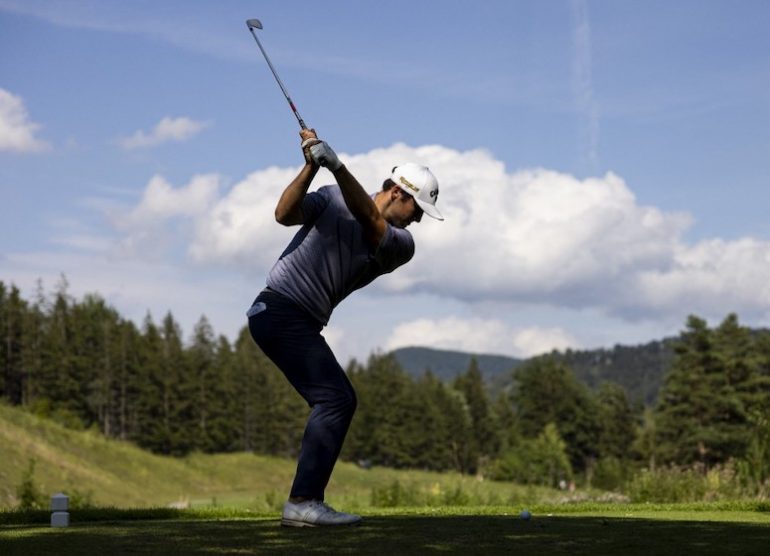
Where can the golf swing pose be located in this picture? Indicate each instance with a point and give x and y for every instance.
(347, 239)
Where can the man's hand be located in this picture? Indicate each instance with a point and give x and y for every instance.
(309, 138)
(323, 154)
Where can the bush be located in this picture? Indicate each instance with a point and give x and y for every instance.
(754, 467)
(539, 461)
(28, 492)
(610, 474)
(79, 500)
(394, 495)
(675, 484)
(455, 497)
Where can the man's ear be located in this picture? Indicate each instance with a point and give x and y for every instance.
(395, 193)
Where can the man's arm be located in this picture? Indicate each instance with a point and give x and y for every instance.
(288, 211)
(361, 205)
(356, 198)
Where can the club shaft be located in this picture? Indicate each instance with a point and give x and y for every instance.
(278, 79)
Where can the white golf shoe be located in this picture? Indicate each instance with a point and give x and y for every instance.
(315, 513)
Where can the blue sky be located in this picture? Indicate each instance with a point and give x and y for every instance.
(604, 166)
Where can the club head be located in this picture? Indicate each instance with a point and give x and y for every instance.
(253, 24)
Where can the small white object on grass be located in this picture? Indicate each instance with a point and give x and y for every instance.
(60, 517)
(525, 515)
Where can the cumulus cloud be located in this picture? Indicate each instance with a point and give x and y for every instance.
(17, 132)
(240, 228)
(167, 130)
(145, 228)
(534, 236)
(479, 336)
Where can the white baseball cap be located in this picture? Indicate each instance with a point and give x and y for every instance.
(421, 184)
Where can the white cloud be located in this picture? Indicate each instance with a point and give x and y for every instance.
(479, 336)
(166, 130)
(146, 229)
(534, 237)
(715, 276)
(240, 228)
(534, 340)
(161, 200)
(17, 133)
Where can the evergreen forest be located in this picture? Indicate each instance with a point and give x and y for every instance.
(78, 361)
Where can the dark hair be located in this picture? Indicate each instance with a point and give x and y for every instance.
(388, 184)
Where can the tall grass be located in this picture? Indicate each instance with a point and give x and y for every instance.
(694, 484)
(96, 471)
(99, 472)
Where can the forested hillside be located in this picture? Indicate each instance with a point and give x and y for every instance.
(447, 364)
(79, 362)
(638, 369)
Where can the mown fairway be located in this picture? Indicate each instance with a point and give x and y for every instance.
(416, 531)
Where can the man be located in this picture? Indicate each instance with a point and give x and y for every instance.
(347, 239)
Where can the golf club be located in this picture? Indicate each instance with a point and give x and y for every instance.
(256, 24)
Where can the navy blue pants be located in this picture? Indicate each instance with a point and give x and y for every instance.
(292, 339)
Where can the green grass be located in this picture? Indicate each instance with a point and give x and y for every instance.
(234, 501)
(120, 474)
(583, 529)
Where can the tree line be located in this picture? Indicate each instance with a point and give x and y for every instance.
(81, 363)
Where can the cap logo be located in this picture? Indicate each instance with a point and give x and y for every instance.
(405, 181)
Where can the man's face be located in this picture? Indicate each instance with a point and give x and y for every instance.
(403, 210)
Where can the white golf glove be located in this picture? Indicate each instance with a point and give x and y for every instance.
(323, 155)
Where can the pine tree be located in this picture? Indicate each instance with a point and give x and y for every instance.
(738, 363)
(201, 359)
(223, 421)
(130, 380)
(436, 440)
(383, 398)
(95, 347)
(685, 398)
(486, 440)
(148, 421)
(458, 429)
(35, 331)
(617, 421)
(272, 414)
(713, 382)
(13, 315)
(248, 381)
(546, 391)
(59, 385)
(505, 421)
(179, 390)
(400, 423)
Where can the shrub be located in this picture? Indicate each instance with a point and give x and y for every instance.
(79, 500)
(394, 495)
(542, 460)
(676, 484)
(455, 497)
(610, 474)
(28, 492)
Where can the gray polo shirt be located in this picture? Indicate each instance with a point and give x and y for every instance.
(329, 258)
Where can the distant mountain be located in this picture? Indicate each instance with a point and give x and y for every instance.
(638, 369)
(447, 364)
